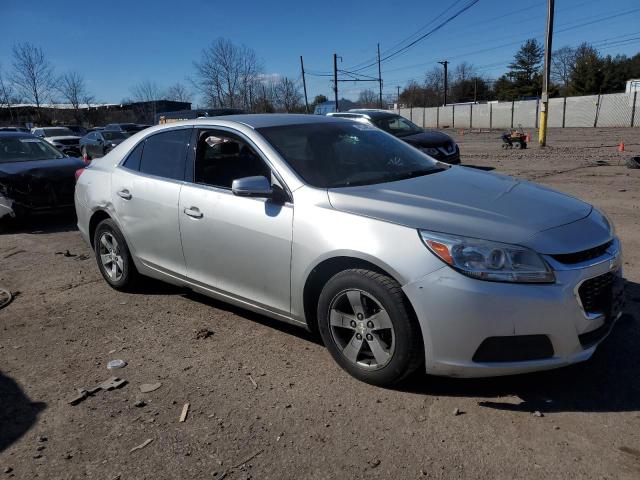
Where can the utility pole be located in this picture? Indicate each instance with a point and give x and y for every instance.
(445, 63)
(398, 97)
(379, 76)
(304, 86)
(544, 109)
(475, 90)
(335, 79)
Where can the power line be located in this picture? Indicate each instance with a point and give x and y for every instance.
(423, 36)
(409, 38)
(516, 42)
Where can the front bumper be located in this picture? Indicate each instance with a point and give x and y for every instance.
(457, 314)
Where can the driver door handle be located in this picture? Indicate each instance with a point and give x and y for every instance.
(193, 212)
(124, 193)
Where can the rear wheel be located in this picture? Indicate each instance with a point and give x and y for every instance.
(367, 325)
(113, 257)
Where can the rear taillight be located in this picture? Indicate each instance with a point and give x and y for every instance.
(78, 173)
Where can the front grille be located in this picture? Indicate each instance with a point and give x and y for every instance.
(38, 194)
(584, 255)
(516, 348)
(596, 294)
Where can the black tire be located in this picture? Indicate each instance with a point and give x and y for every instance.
(129, 279)
(408, 351)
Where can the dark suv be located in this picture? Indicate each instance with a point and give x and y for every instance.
(435, 144)
(127, 128)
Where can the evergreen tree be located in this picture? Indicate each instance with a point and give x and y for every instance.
(587, 76)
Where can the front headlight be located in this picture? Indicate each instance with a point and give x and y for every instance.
(486, 260)
(430, 151)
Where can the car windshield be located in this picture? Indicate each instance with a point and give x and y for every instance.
(57, 132)
(26, 149)
(113, 135)
(398, 126)
(130, 128)
(342, 154)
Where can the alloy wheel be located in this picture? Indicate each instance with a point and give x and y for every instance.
(362, 329)
(110, 256)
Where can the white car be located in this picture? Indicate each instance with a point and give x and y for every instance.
(60, 137)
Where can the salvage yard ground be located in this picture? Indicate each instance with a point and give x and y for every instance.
(267, 401)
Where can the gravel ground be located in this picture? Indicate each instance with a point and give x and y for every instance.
(267, 401)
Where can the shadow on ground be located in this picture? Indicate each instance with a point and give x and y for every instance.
(38, 224)
(608, 382)
(17, 413)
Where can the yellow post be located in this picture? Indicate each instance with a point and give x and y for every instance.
(544, 110)
(542, 132)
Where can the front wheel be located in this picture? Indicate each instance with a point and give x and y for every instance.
(368, 327)
(113, 256)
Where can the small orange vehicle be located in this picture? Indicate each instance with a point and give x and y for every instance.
(514, 138)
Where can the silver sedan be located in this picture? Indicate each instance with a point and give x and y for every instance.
(396, 260)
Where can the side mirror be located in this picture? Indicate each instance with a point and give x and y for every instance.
(257, 187)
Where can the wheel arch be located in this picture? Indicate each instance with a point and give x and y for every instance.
(327, 268)
(96, 217)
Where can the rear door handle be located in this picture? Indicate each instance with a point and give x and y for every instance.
(193, 212)
(124, 193)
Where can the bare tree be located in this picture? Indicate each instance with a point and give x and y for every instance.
(368, 99)
(287, 95)
(32, 74)
(228, 75)
(146, 91)
(148, 94)
(563, 61)
(73, 89)
(6, 94)
(178, 92)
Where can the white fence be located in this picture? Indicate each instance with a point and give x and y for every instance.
(610, 110)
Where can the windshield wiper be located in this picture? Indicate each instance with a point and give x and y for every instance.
(417, 173)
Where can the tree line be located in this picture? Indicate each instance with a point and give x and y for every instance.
(575, 71)
(225, 75)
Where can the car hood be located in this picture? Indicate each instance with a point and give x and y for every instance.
(467, 202)
(62, 137)
(58, 167)
(428, 139)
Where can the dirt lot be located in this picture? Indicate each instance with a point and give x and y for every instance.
(267, 401)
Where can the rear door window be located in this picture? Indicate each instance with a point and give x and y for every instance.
(164, 154)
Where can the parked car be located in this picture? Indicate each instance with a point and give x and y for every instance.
(99, 143)
(60, 137)
(398, 260)
(77, 130)
(35, 177)
(14, 129)
(127, 128)
(435, 144)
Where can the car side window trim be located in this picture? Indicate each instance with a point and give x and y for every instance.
(190, 174)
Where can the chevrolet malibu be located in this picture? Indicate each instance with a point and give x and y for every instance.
(398, 261)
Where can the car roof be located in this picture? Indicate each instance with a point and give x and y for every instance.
(261, 120)
(5, 133)
(372, 114)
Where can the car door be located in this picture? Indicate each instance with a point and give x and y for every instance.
(235, 245)
(145, 192)
(89, 144)
(97, 145)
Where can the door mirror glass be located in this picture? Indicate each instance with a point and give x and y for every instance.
(258, 187)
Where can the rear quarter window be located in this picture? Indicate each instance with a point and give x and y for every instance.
(164, 154)
(132, 162)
